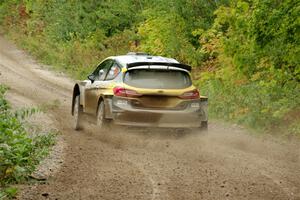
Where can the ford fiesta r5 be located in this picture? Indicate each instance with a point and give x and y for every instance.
(140, 90)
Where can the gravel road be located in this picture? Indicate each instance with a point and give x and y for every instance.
(226, 163)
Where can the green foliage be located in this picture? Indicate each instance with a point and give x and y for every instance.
(8, 193)
(19, 152)
(166, 35)
(256, 104)
(261, 34)
(256, 79)
(24, 113)
(170, 29)
(9, 12)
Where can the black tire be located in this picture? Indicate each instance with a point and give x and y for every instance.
(204, 126)
(77, 114)
(102, 123)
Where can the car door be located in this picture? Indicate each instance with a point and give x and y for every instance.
(113, 76)
(94, 91)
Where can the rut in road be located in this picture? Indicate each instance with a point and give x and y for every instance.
(226, 163)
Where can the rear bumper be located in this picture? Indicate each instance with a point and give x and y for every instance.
(189, 117)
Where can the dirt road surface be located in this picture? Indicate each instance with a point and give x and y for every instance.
(227, 163)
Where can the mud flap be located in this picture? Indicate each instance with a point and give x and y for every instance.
(108, 107)
(204, 108)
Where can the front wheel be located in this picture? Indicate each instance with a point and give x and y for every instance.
(102, 123)
(204, 126)
(77, 113)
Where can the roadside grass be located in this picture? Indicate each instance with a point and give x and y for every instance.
(20, 151)
(260, 105)
(50, 105)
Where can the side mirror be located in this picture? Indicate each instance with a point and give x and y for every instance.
(91, 77)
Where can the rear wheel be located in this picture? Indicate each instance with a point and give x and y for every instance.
(204, 126)
(102, 123)
(77, 114)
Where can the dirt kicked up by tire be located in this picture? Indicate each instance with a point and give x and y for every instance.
(227, 163)
(102, 123)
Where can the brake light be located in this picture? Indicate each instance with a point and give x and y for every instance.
(122, 92)
(194, 94)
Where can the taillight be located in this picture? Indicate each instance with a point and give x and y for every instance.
(122, 92)
(194, 94)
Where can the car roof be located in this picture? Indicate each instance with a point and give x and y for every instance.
(128, 59)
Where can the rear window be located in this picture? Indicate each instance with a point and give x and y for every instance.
(157, 79)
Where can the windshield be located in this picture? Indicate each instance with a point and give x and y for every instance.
(157, 79)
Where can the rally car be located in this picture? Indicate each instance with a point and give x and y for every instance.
(138, 89)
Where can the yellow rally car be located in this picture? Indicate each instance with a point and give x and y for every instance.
(138, 89)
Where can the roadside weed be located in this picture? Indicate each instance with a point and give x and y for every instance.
(20, 152)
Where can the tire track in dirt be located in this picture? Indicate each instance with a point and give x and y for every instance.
(156, 191)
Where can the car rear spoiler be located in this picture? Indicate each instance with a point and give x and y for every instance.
(178, 65)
